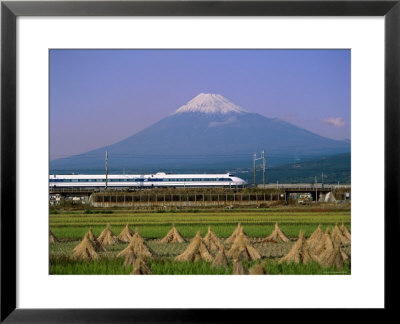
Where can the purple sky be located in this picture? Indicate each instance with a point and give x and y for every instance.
(98, 97)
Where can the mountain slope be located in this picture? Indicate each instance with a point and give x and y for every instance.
(209, 129)
(334, 168)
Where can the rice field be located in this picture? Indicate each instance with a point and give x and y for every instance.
(70, 227)
(151, 225)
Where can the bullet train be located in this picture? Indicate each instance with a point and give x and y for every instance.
(158, 180)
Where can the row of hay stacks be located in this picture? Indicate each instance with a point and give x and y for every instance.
(136, 253)
(107, 237)
(324, 248)
(199, 248)
(241, 249)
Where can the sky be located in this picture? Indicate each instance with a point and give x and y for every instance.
(99, 97)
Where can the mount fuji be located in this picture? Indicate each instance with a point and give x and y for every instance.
(208, 132)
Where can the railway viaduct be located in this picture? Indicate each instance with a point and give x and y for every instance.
(198, 196)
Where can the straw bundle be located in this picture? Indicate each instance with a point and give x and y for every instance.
(276, 236)
(130, 257)
(125, 235)
(212, 241)
(85, 250)
(107, 237)
(258, 269)
(345, 231)
(338, 238)
(136, 247)
(173, 236)
(344, 255)
(53, 238)
(239, 230)
(333, 257)
(196, 250)
(242, 249)
(220, 259)
(141, 267)
(315, 238)
(324, 244)
(97, 245)
(300, 252)
(239, 268)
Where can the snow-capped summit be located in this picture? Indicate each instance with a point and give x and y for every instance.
(209, 103)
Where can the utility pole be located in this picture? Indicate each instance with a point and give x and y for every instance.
(106, 169)
(263, 164)
(322, 180)
(254, 168)
(316, 191)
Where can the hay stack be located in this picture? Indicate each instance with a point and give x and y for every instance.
(85, 250)
(315, 238)
(239, 268)
(53, 238)
(333, 257)
(338, 238)
(107, 237)
(242, 249)
(344, 255)
(220, 259)
(345, 232)
(258, 269)
(212, 241)
(130, 257)
(238, 230)
(125, 235)
(97, 245)
(300, 252)
(141, 267)
(324, 244)
(173, 236)
(137, 247)
(276, 236)
(196, 250)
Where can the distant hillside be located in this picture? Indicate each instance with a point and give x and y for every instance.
(335, 168)
(209, 132)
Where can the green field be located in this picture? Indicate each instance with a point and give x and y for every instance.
(151, 225)
(62, 265)
(69, 226)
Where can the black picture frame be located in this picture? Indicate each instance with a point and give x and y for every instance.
(10, 10)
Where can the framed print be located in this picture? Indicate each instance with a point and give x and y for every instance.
(203, 151)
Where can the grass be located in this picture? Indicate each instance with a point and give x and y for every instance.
(114, 266)
(151, 225)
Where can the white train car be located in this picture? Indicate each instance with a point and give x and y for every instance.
(134, 181)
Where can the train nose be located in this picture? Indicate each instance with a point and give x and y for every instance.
(240, 182)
